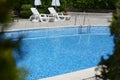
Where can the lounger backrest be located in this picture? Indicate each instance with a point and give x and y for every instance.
(34, 11)
(52, 10)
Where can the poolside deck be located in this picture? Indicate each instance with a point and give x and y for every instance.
(77, 19)
(86, 74)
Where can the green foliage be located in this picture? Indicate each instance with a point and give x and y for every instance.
(5, 6)
(115, 30)
(111, 67)
(8, 68)
(84, 4)
(23, 72)
(25, 11)
(118, 5)
(94, 4)
(67, 5)
(105, 4)
(115, 25)
(26, 6)
(17, 4)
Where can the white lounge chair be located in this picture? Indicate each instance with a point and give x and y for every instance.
(58, 16)
(36, 17)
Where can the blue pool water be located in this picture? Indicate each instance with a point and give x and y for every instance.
(51, 52)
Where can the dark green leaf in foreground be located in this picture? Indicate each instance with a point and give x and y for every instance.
(110, 68)
(8, 68)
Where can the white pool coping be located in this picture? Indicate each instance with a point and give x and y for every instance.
(77, 75)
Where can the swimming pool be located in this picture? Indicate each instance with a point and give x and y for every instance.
(51, 52)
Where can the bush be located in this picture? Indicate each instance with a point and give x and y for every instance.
(26, 6)
(110, 69)
(25, 11)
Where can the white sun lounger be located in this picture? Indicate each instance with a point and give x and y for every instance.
(58, 16)
(36, 17)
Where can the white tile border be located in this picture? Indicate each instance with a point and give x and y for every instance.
(78, 75)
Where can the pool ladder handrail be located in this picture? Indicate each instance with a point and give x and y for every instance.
(84, 20)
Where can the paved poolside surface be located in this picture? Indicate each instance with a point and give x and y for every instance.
(77, 19)
(86, 74)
